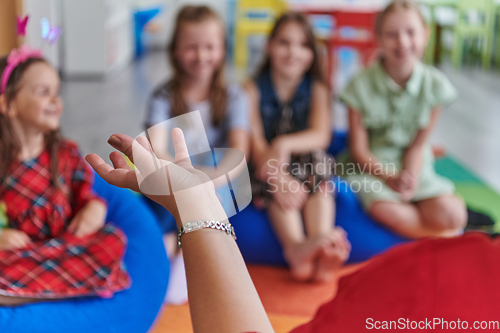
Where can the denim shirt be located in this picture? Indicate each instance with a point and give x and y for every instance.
(271, 107)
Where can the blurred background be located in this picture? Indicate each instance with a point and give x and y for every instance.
(111, 55)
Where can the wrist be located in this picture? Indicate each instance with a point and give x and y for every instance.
(96, 202)
(280, 145)
(387, 176)
(208, 207)
(93, 207)
(410, 171)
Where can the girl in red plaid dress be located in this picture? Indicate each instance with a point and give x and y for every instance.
(55, 243)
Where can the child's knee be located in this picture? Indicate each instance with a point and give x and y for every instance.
(449, 220)
(385, 213)
(450, 214)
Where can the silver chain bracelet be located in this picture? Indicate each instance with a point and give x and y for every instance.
(197, 225)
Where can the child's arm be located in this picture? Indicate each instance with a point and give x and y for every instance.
(360, 149)
(319, 131)
(262, 155)
(412, 160)
(90, 210)
(222, 297)
(259, 147)
(89, 219)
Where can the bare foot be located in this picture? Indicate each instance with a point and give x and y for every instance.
(302, 257)
(334, 253)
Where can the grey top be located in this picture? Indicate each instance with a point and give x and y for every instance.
(236, 117)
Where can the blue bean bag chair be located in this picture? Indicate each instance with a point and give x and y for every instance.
(132, 310)
(259, 245)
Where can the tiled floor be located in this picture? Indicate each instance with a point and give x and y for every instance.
(469, 129)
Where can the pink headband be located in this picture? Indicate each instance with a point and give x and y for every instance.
(16, 57)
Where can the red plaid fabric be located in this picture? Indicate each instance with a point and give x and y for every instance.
(57, 264)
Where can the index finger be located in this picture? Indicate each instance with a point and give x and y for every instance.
(180, 147)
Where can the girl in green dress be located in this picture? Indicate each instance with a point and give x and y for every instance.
(393, 108)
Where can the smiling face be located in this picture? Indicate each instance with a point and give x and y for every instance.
(37, 105)
(289, 53)
(199, 49)
(402, 37)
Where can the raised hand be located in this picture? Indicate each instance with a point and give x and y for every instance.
(187, 193)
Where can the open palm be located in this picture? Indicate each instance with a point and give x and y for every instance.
(177, 186)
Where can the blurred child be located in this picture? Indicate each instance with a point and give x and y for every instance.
(393, 108)
(55, 244)
(197, 53)
(291, 121)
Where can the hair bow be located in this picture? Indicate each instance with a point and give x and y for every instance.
(16, 57)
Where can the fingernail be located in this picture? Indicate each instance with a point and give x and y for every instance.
(114, 141)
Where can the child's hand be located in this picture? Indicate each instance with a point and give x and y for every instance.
(393, 182)
(290, 193)
(13, 239)
(404, 183)
(89, 219)
(408, 185)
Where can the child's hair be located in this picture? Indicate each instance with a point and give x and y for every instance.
(10, 147)
(218, 88)
(316, 67)
(398, 5)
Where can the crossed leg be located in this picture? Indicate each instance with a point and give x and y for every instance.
(443, 216)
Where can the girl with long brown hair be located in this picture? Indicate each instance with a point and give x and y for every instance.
(196, 53)
(291, 121)
(55, 224)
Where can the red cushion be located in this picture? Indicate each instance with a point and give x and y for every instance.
(435, 280)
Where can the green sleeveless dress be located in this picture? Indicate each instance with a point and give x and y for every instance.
(393, 115)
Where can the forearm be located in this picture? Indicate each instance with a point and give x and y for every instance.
(260, 149)
(303, 141)
(412, 160)
(94, 205)
(413, 157)
(222, 297)
(367, 163)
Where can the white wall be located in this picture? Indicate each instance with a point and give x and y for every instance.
(37, 9)
(166, 19)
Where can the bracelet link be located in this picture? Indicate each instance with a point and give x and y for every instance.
(197, 225)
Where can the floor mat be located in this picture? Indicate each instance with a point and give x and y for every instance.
(287, 303)
(290, 304)
(477, 195)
